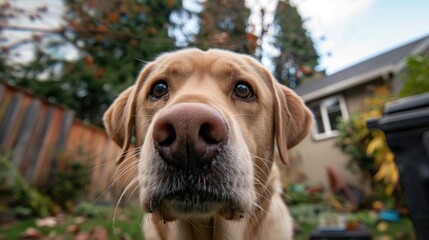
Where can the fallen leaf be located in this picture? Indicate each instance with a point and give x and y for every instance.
(73, 229)
(46, 222)
(99, 233)
(383, 237)
(124, 218)
(83, 236)
(79, 220)
(31, 233)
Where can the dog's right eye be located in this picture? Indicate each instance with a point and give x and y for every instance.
(242, 90)
(159, 90)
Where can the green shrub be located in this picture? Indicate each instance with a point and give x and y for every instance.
(309, 213)
(417, 75)
(92, 211)
(298, 194)
(27, 201)
(68, 183)
(368, 149)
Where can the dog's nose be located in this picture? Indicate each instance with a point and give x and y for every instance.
(189, 135)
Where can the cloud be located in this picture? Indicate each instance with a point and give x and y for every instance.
(338, 22)
(325, 15)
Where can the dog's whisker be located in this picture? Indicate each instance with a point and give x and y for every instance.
(275, 200)
(132, 193)
(149, 62)
(141, 60)
(201, 224)
(265, 161)
(132, 150)
(214, 229)
(266, 197)
(259, 195)
(124, 171)
(108, 162)
(258, 157)
(117, 205)
(261, 170)
(124, 178)
(193, 224)
(259, 218)
(100, 165)
(260, 208)
(253, 221)
(130, 159)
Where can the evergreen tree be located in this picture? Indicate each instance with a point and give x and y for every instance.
(298, 56)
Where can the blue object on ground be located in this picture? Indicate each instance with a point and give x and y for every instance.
(389, 215)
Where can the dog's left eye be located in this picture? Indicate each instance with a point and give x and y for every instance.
(159, 90)
(242, 90)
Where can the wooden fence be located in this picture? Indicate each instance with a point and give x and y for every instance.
(39, 134)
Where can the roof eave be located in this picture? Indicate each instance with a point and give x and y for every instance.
(366, 77)
(348, 83)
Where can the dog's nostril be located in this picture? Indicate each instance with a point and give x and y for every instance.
(166, 135)
(205, 133)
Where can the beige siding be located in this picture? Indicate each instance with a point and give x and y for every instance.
(313, 156)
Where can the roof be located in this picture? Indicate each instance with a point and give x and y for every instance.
(389, 62)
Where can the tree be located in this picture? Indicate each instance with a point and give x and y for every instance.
(223, 25)
(298, 56)
(113, 39)
(417, 75)
(8, 13)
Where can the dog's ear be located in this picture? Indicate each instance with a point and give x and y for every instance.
(115, 118)
(119, 119)
(292, 119)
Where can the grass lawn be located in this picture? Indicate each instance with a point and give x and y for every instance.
(381, 230)
(127, 225)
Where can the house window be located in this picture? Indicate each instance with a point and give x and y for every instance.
(327, 114)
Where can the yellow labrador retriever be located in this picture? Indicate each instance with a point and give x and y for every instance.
(206, 124)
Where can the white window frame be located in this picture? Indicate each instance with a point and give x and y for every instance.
(329, 132)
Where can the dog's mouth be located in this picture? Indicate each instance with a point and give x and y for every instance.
(188, 194)
(200, 204)
(195, 202)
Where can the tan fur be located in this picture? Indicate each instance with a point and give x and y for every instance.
(277, 116)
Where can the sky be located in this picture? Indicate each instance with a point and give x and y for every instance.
(355, 30)
(345, 31)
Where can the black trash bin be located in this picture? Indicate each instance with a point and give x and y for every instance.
(405, 123)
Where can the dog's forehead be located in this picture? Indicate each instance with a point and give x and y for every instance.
(214, 61)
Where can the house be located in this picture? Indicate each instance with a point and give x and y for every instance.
(338, 95)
